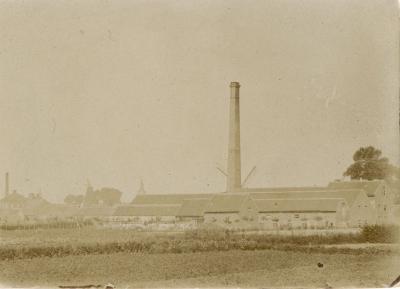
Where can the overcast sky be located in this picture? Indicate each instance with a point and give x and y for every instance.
(115, 91)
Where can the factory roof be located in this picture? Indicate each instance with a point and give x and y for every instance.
(14, 198)
(52, 210)
(164, 199)
(193, 208)
(299, 205)
(95, 211)
(147, 210)
(369, 187)
(6, 212)
(227, 203)
(349, 195)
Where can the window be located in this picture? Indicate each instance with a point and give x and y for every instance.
(296, 216)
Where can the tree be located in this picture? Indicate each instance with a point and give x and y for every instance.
(104, 196)
(369, 165)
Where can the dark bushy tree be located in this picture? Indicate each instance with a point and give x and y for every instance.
(109, 196)
(370, 165)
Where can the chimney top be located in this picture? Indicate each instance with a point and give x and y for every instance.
(235, 84)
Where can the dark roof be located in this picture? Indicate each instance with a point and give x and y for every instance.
(369, 187)
(349, 195)
(61, 210)
(298, 205)
(52, 210)
(5, 212)
(225, 203)
(14, 198)
(147, 210)
(167, 199)
(95, 211)
(193, 207)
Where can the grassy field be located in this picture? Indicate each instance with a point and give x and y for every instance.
(92, 235)
(88, 235)
(209, 269)
(62, 243)
(195, 259)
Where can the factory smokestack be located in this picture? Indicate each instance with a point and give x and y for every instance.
(234, 178)
(7, 185)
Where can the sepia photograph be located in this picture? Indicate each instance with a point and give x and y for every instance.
(199, 144)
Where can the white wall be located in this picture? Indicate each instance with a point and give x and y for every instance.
(363, 211)
(270, 221)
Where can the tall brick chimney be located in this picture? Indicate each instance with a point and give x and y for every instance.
(234, 178)
(7, 185)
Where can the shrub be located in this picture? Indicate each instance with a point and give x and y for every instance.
(381, 233)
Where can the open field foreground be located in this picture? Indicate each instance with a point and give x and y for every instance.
(208, 269)
(59, 243)
(90, 235)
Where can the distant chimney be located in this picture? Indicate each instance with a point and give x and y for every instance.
(141, 190)
(7, 185)
(234, 178)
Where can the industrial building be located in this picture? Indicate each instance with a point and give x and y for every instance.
(339, 205)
